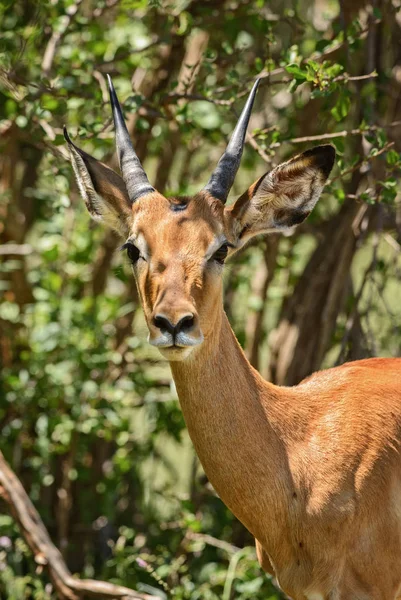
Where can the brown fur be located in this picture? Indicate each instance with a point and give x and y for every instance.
(312, 471)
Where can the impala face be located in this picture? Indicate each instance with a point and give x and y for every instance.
(178, 246)
(177, 249)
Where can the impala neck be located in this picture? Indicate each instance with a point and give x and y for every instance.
(230, 413)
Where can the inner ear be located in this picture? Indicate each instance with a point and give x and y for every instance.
(283, 197)
(103, 190)
(109, 186)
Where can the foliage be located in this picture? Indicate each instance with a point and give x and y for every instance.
(88, 415)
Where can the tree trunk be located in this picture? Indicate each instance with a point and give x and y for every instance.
(309, 315)
(260, 285)
(186, 81)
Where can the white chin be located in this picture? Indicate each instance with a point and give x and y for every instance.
(175, 353)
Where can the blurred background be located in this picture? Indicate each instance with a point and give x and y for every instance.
(89, 419)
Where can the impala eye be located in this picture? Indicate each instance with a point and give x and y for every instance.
(132, 252)
(221, 254)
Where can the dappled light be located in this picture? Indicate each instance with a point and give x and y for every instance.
(101, 491)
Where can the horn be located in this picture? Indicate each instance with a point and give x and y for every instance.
(223, 176)
(134, 176)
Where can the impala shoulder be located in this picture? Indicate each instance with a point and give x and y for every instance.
(380, 371)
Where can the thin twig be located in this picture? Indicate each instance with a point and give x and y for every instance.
(212, 541)
(252, 142)
(170, 98)
(339, 134)
(346, 77)
(364, 160)
(392, 242)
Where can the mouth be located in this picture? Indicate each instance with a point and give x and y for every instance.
(179, 342)
(175, 348)
(174, 352)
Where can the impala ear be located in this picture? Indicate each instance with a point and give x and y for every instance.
(284, 197)
(103, 191)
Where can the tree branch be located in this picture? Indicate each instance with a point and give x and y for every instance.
(56, 37)
(46, 553)
(15, 249)
(338, 134)
(317, 56)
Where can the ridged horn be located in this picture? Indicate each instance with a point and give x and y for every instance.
(223, 176)
(132, 171)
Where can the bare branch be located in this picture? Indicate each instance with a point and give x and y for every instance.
(15, 249)
(363, 161)
(346, 77)
(252, 141)
(212, 541)
(338, 134)
(392, 242)
(56, 37)
(46, 553)
(171, 98)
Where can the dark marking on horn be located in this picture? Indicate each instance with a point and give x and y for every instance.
(222, 179)
(81, 153)
(132, 171)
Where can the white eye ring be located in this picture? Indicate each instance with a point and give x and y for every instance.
(221, 254)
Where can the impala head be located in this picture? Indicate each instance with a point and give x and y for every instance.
(177, 246)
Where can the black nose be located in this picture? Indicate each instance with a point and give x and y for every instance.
(184, 325)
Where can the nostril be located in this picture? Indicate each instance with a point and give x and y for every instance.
(162, 323)
(185, 324)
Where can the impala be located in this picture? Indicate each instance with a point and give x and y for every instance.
(313, 471)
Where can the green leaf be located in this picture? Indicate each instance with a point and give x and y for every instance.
(340, 110)
(377, 12)
(258, 64)
(296, 71)
(392, 157)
